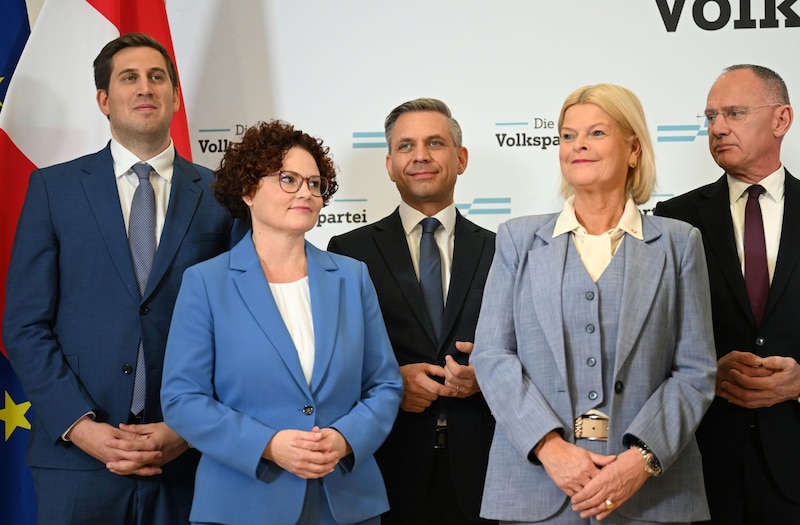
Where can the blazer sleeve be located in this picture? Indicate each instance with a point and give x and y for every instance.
(30, 316)
(667, 420)
(519, 407)
(187, 391)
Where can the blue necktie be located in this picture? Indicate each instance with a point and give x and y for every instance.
(756, 272)
(430, 273)
(142, 243)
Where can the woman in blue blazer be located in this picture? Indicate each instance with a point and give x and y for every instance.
(594, 347)
(278, 366)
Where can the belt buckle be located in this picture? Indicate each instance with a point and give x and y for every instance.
(440, 435)
(592, 427)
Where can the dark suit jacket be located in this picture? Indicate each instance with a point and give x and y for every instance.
(73, 314)
(726, 426)
(407, 455)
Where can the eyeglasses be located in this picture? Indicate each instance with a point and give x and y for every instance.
(736, 114)
(291, 182)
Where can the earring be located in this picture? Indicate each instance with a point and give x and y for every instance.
(633, 164)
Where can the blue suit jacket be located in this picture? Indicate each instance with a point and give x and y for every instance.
(232, 379)
(664, 368)
(73, 314)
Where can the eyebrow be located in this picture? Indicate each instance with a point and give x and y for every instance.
(156, 69)
(429, 137)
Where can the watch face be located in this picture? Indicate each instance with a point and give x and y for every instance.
(652, 465)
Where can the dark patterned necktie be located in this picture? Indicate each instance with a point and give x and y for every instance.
(756, 273)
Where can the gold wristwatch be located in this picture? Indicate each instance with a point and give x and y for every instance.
(651, 463)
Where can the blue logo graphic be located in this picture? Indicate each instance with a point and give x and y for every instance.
(486, 206)
(681, 132)
(369, 140)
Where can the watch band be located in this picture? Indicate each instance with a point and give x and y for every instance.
(651, 464)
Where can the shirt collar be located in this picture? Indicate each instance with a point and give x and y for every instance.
(773, 185)
(630, 222)
(124, 159)
(410, 217)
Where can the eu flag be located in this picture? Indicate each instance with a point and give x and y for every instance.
(17, 499)
(14, 31)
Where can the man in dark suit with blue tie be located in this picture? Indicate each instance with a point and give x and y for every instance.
(434, 461)
(749, 219)
(100, 249)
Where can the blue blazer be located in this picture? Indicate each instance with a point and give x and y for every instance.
(232, 379)
(74, 316)
(664, 367)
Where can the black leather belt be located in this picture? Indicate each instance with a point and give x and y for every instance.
(134, 419)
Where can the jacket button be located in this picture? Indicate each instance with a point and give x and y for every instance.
(589, 296)
(589, 328)
(144, 310)
(592, 395)
(619, 386)
(760, 341)
(591, 361)
(308, 410)
(127, 369)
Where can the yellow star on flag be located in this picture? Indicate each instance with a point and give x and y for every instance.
(13, 415)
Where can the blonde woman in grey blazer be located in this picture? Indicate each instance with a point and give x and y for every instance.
(594, 346)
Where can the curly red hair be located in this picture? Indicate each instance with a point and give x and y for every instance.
(259, 153)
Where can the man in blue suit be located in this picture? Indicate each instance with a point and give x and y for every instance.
(80, 319)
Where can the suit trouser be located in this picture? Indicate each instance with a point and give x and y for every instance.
(99, 497)
(741, 490)
(440, 506)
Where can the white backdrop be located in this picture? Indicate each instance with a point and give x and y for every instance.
(335, 69)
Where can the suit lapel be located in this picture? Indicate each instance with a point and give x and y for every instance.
(184, 198)
(391, 242)
(715, 221)
(101, 191)
(789, 249)
(325, 287)
(467, 252)
(644, 264)
(255, 293)
(546, 268)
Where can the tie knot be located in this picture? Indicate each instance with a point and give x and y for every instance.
(430, 224)
(755, 190)
(142, 170)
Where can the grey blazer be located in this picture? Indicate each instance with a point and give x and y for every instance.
(663, 378)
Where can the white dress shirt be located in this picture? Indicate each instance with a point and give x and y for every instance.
(771, 202)
(127, 181)
(445, 238)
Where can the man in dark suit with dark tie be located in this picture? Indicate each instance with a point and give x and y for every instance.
(750, 218)
(87, 312)
(434, 460)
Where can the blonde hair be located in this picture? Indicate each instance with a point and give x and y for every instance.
(626, 110)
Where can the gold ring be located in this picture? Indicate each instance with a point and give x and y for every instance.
(609, 504)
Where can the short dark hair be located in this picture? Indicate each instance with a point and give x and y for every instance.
(421, 104)
(104, 63)
(776, 87)
(260, 153)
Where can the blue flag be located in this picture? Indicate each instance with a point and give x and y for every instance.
(17, 499)
(14, 32)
